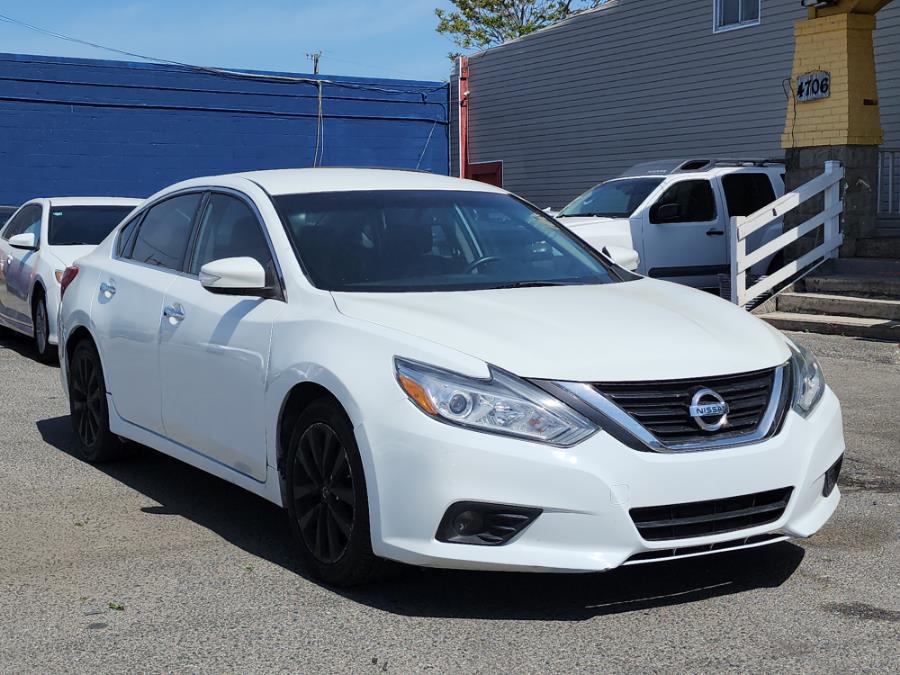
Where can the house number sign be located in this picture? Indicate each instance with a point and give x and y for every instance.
(813, 86)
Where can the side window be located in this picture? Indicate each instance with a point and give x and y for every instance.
(126, 237)
(746, 193)
(230, 229)
(28, 220)
(163, 236)
(690, 201)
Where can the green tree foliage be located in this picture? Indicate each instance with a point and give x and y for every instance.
(478, 24)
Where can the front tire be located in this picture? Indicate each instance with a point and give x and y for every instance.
(88, 407)
(327, 498)
(45, 351)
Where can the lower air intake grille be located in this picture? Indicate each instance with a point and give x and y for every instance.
(697, 519)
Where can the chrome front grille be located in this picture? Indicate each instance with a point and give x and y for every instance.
(662, 409)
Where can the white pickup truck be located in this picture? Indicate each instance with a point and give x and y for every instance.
(675, 214)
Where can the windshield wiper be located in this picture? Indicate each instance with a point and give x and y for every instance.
(529, 284)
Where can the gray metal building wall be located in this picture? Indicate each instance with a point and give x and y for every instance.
(887, 60)
(580, 102)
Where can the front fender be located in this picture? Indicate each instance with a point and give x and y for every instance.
(360, 374)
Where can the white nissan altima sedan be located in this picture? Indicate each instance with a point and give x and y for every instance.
(37, 243)
(430, 370)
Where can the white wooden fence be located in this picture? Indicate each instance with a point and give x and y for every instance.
(742, 227)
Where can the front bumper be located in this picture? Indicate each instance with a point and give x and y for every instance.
(416, 468)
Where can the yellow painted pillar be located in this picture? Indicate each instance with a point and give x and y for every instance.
(834, 51)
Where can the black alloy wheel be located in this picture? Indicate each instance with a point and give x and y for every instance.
(323, 493)
(88, 407)
(327, 499)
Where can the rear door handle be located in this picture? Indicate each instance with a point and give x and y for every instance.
(175, 312)
(108, 288)
(715, 233)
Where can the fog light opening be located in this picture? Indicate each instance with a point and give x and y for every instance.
(468, 522)
(831, 477)
(481, 524)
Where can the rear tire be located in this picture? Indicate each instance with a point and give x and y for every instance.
(88, 407)
(45, 351)
(327, 498)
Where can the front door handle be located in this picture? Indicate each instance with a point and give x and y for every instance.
(714, 233)
(174, 312)
(108, 288)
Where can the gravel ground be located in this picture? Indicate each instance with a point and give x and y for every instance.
(150, 565)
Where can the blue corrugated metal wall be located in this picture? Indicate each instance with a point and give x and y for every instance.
(87, 127)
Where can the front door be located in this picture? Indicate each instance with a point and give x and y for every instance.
(17, 268)
(128, 309)
(214, 349)
(684, 235)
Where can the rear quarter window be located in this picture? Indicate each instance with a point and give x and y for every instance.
(746, 193)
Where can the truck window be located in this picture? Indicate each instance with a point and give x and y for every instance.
(688, 201)
(746, 193)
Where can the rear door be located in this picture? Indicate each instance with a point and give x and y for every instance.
(747, 192)
(684, 234)
(214, 349)
(17, 267)
(128, 309)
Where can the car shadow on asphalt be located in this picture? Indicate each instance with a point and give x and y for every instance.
(20, 344)
(260, 528)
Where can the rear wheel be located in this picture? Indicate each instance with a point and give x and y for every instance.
(88, 407)
(45, 351)
(327, 499)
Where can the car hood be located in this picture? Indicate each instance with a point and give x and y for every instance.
(69, 254)
(636, 330)
(600, 232)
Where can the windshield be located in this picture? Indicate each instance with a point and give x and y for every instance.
(433, 240)
(73, 225)
(613, 199)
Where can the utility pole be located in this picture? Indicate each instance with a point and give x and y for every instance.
(314, 57)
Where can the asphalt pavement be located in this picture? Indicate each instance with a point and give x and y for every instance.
(150, 565)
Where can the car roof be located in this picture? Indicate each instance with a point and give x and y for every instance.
(321, 179)
(93, 201)
(669, 167)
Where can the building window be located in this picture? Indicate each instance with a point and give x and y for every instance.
(731, 14)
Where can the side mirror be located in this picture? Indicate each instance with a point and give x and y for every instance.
(623, 257)
(665, 213)
(26, 241)
(236, 276)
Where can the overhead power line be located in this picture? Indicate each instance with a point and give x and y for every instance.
(223, 72)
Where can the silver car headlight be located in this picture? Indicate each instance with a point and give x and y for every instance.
(503, 404)
(809, 382)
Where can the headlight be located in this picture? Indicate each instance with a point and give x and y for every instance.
(503, 404)
(809, 383)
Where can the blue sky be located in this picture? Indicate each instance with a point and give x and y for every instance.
(376, 38)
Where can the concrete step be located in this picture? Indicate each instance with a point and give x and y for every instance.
(874, 329)
(860, 285)
(879, 247)
(839, 305)
(887, 267)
